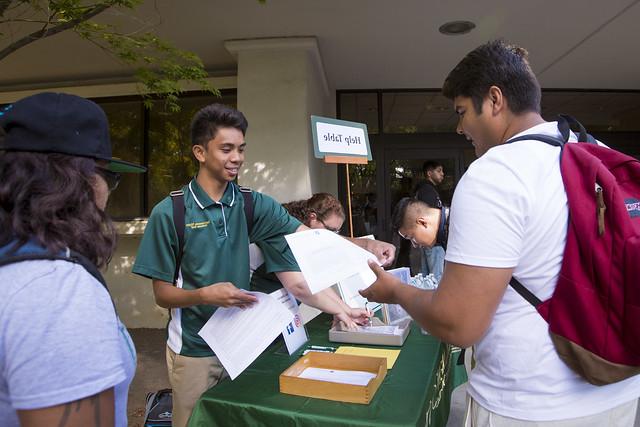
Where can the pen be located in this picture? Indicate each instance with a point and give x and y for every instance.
(318, 347)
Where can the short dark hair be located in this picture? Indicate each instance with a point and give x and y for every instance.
(207, 121)
(430, 165)
(399, 212)
(495, 63)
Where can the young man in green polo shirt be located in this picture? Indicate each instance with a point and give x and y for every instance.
(215, 262)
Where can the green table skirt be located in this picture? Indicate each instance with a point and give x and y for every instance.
(415, 392)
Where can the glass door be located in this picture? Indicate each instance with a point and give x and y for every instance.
(402, 174)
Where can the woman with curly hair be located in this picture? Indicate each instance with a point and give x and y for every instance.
(66, 358)
(322, 210)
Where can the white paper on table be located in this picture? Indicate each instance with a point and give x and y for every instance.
(238, 336)
(386, 330)
(326, 258)
(349, 288)
(337, 376)
(294, 333)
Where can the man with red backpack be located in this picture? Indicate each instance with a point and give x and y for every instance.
(510, 218)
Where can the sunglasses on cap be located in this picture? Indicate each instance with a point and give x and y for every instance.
(110, 177)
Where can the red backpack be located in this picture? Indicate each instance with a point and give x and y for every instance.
(594, 312)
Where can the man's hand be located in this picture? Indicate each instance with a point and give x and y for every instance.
(225, 294)
(383, 289)
(385, 252)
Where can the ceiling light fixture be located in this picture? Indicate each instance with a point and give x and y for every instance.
(456, 28)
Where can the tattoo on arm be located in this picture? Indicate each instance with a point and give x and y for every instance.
(93, 400)
(65, 414)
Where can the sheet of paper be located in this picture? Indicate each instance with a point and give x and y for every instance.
(391, 355)
(326, 258)
(384, 329)
(295, 335)
(349, 288)
(338, 376)
(238, 336)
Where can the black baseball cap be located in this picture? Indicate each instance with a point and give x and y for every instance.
(60, 123)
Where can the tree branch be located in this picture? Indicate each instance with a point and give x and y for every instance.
(48, 32)
(4, 5)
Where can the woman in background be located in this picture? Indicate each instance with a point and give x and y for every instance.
(321, 211)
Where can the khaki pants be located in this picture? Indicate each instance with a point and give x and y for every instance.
(620, 416)
(189, 378)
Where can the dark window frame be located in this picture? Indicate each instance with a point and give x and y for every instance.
(145, 207)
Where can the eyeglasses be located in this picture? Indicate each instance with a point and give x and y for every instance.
(334, 230)
(110, 177)
(411, 239)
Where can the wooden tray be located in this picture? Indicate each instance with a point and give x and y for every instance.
(291, 383)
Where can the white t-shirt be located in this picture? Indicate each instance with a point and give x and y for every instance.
(60, 340)
(510, 210)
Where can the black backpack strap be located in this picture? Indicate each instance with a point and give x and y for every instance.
(524, 292)
(247, 195)
(70, 256)
(557, 142)
(177, 200)
(564, 126)
(89, 266)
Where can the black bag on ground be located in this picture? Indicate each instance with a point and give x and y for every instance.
(158, 411)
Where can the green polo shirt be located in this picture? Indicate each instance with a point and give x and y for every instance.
(216, 250)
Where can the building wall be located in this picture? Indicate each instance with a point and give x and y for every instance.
(281, 83)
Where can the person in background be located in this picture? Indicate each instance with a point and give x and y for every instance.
(65, 357)
(417, 222)
(214, 270)
(427, 192)
(509, 218)
(320, 211)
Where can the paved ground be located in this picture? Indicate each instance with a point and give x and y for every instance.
(151, 374)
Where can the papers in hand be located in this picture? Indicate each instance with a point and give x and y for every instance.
(238, 336)
(326, 258)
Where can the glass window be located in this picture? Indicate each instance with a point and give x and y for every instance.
(417, 112)
(171, 164)
(364, 210)
(597, 111)
(361, 108)
(155, 136)
(126, 127)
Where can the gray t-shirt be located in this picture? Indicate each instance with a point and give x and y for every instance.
(60, 339)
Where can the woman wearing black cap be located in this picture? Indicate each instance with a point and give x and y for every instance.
(65, 358)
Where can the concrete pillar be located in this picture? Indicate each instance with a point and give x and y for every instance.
(281, 83)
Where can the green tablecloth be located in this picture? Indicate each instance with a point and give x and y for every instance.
(416, 392)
